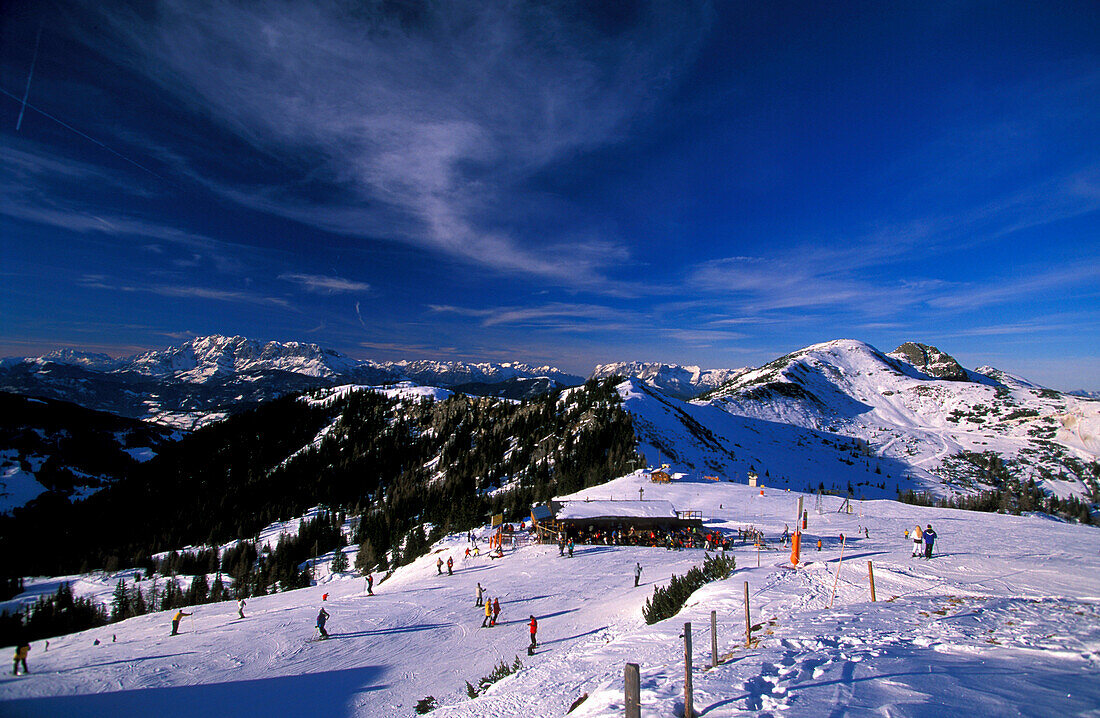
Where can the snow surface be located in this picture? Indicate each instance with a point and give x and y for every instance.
(1004, 620)
(601, 508)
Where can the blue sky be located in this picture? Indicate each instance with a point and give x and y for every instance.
(712, 184)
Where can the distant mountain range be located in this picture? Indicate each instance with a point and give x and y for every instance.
(834, 415)
(207, 378)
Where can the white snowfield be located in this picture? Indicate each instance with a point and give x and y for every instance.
(1003, 621)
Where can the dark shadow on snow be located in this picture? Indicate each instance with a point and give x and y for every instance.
(301, 695)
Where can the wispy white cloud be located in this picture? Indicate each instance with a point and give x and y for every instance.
(324, 284)
(96, 281)
(428, 118)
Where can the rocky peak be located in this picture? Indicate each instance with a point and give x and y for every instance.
(931, 361)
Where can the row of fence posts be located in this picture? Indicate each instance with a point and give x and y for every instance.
(632, 677)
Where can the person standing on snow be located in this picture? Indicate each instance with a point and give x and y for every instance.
(929, 541)
(488, 613)
(918, 541)
(322, 619)
(637, 573)
(496, 612)
(370, 584)
(570, 548)
(240, 607)
(176, 621)
(24, 648)
(534, 630)
(480, 596)
(439, 566)
(450, 566)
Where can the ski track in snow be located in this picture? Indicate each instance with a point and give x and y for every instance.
(1004, 620)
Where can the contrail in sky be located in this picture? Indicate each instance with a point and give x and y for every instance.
(359, 315)
(87, 137)
(37, 38)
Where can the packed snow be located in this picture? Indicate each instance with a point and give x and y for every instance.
(1003, 620)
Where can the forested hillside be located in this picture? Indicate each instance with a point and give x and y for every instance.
(400, 463)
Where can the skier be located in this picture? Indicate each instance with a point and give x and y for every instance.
(370, 584)
(322, 618)
(570, 548)
(240, 607)
(176, 621)
(439, 566)
(21, 652)
(786, 534)
(534, 629)
(929, 541)
(488, 613)
(819, 544)
(496, 612)
(480, 596)
(467, 553)
(561, 544)
(637, 573)
(450, 566)
(918, 541)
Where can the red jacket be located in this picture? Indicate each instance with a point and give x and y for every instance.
(534, 626)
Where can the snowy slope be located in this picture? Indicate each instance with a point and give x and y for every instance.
(1002, 621)
(934, 426)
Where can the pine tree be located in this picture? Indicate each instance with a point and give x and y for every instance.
(340, 562)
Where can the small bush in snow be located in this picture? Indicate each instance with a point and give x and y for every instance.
(426, 705)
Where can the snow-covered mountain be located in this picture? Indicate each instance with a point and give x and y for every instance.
(454, 373)
(207, 378)
(681, 382)
(844, 414)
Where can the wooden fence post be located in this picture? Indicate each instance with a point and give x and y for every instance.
(713, 639)
(689, 711)
(748, 622)
(871, 575)
(836, 579)
(632, 687)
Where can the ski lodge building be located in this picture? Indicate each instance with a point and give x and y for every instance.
(609, 515)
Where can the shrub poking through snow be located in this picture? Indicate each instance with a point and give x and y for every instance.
(426, 705)
(666, 602)
(503, 670)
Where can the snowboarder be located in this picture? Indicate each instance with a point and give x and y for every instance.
(534, 629)
(370, 584)
(480, 596)
(21, 652)
(450, 566)
(918, 541)
(240, 607)
(324, 596)
(439, 566)
(176, 621)
(929, 541)
(496, 612)
(637, 573)
(322, 618)
(488, 613)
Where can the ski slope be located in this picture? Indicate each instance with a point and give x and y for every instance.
(1004, 620)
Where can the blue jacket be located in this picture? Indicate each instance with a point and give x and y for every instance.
(929, 536)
